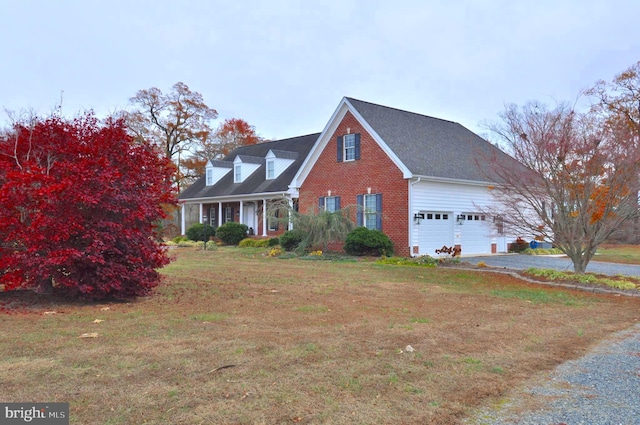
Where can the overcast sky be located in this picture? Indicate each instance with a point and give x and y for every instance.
(284, 66)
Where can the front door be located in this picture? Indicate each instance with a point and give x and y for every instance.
(249, 212)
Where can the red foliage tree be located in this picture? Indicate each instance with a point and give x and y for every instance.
(79, 202)
(230, 134)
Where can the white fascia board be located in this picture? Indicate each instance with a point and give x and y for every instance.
(235, 198)
(406, 173)
(455, 181)
(320, 144)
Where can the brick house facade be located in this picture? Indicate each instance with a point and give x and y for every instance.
(422, 181)
(373, 173)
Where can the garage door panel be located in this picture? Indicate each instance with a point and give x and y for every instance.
(475, 234)
(435, 230)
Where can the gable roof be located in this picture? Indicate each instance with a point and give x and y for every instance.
(419, 145)
(431, 147)
(256, 183)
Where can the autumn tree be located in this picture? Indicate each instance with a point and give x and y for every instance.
(618, 103)
(79, 201)
(177, 123)
(580, 172)
(230, 134)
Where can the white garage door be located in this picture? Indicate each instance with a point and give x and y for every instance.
(435, 231)
(475, 234)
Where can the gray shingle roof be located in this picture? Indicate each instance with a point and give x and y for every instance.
(285, 154)
(433, 147)
(256, 182)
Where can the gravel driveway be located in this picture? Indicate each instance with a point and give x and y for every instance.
(521, 262)
(601, 388)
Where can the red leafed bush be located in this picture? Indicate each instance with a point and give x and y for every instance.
(79, 201)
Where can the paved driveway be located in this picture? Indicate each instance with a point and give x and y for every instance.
(521, 262)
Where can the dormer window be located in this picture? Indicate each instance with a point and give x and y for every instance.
(271, 169)
(209, 176)
(237, 173)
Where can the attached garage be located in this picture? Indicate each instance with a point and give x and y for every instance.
(475, 234)
(435, 231)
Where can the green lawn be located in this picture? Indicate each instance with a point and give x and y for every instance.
(626, 254)
(233, 336)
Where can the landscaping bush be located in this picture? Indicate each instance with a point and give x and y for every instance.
(423, 260)
(274, 241)
(196, 232)
(247, 243)
(290, 239)
(232, 233)
(363, 241)
(262, 243)
(179, 239)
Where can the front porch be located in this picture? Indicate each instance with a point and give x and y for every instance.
(251, 212)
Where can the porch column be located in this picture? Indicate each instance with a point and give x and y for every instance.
(264, 217)
(200, 220)
(219, 214)
(183, 220)
(241, 212)
(290, 225)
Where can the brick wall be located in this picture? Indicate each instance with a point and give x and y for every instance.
(373, 170)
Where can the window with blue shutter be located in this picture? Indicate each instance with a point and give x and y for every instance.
(348, 147)
(329, 203)
(369, 212)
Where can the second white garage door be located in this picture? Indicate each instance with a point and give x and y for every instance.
(475, 234)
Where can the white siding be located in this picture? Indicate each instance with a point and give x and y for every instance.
(456, 198)
(218, 173)
(281, 164)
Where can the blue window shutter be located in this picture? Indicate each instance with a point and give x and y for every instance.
(357, 146)
(320, 203)
(379, 211)
(360, 210)
(337, 203)
(339, 149)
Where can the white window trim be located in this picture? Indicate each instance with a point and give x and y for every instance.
(271, 167)
(237, 173)
(209, 173)
(352, 149)
(326, 204)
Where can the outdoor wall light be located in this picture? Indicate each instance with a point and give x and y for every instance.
(418, 217)
(460, 218)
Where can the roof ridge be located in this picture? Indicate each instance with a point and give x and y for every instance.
(402, 110)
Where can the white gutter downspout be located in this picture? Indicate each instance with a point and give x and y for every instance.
(410, 218)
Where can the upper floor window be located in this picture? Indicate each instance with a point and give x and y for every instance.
(271, 169)
(349, 147)
(209, 176)
(237, 174)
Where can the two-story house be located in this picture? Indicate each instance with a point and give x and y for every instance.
(423, 181)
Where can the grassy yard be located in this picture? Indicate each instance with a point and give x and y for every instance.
(627, 254)
(235, 337)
